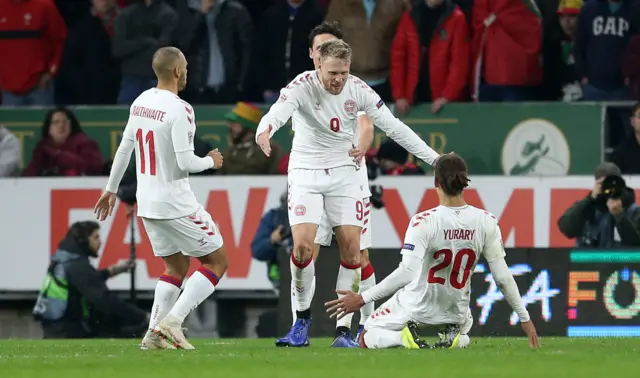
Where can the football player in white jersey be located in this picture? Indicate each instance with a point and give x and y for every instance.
(431, 287)
(323, 167)
(344, 338)
(161, 128)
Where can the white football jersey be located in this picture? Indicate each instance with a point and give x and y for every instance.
(325, 124)
(363, 176)
(160, 125)
(449, 241)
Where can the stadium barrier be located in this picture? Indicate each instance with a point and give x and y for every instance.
(502, 138)
(36, 213)
(568, 292)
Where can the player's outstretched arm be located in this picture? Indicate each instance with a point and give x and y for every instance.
(279, 113)
(507, 285)
(494, 253)
(413, 251)
(396, 129)
(182, 135)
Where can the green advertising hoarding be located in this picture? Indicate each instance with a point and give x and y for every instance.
(495, 139)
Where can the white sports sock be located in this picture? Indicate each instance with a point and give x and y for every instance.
(198, 288)
(302, 278)
(294, 315)
(368, 308)
(381, 338)
(166, 295)
(348, 279)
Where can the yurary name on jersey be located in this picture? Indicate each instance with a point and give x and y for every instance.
(459, 234)
(154, 114)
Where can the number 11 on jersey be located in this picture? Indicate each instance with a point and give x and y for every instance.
(152, 152)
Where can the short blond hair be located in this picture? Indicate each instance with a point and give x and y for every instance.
(165, 60)
(335, 48)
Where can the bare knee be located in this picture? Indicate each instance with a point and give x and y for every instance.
(217, 261)
(350, 253)
(177, 266)
(303, 250)
(303, 245)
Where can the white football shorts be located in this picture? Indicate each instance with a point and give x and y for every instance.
(195, 235)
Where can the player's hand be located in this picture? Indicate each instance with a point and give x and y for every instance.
(104, 207)
(348, 303)
(264, 143)
(217, 158)
(530, 330)
(357, 153)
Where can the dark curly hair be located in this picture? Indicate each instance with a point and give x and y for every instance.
(75, 125)
(325, 28)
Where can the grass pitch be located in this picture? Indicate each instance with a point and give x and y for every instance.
(231, 358)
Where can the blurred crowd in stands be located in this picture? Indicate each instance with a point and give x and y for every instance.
(99, 51)
(69, 52)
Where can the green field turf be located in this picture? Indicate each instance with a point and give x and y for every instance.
(232, 358)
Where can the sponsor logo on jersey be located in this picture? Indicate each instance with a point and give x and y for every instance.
(379, 104)
(408, 247)
(350, 106)
(536, 147)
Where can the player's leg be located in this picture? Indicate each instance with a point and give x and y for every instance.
(197, 236)
(345, 210)
(367, 275)
(168, 285)
(456, 335)
(390, 327)
(305, 211)
(323, 237)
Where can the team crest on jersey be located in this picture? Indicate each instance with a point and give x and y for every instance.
(190, 137)
(350, 106)
(300, 210)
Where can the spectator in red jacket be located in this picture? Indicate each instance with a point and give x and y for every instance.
(430, 56)
(63, 149)
(506, 50)
(32, 35)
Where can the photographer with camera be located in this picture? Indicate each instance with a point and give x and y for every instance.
(273, 233)
(608, 217)
(75, 302)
